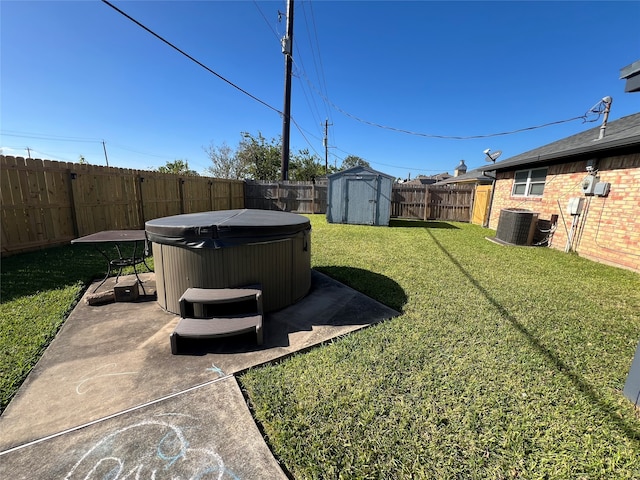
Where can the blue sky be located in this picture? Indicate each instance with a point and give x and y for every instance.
(75, 74)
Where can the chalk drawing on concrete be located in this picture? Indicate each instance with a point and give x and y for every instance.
(151, 449)
(215, 369)
(82, 388)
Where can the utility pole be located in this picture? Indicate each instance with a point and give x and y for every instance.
(325, 142)
(104, 147)
(28, 152)
(287, 50)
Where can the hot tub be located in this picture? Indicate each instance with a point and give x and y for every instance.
(229, 249)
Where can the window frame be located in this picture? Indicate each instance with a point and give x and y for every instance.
(529, 182)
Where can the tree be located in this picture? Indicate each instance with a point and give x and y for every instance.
(226, 163)
(353, 161)
(261, 158)
(305, 166)
(177, 167)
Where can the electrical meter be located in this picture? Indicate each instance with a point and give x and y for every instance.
(589, 184)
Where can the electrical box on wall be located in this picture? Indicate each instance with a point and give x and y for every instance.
(575, 205)
(589, 184)
(602, 189)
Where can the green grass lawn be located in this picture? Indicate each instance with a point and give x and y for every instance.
(506, 362)
(37, 292)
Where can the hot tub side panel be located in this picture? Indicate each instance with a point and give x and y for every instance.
(301, 257)
(156, 250)
(282, 267)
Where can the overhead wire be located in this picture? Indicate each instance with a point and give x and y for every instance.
(583, 117)
(321, 71)
(42, 136)
(33, 153)
(303, 136)
(59, 138)
(314, 47)
(325, 98)
(182, 52)
(315, 52)
(296, 124)
(266, 20)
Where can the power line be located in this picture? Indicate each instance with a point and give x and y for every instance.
(299, 128)
(58, 138)
(584, 118)
(192, 58)
(42, 136)
(319, 72)
(303, 136)
(595, 110)
(265, 20)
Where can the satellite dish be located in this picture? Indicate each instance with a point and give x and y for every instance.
(492, 157)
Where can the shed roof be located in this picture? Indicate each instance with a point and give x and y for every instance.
(620, 134)
(357, 170)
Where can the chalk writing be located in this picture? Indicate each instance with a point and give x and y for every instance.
(215, 369)
(81, 389)
(151, 449)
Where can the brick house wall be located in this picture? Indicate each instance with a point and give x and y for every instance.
(608, 230)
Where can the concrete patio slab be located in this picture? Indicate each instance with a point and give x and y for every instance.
(206, 432)
(110, 372)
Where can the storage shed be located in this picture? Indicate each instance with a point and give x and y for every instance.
(359, 195)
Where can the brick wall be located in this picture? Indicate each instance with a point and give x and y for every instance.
(608, 230)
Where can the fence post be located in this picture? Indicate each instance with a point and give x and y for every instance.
(140, 179)
(426, 202)
(181, 193)
(72, 202)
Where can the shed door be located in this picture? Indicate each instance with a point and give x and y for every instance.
(361, 200)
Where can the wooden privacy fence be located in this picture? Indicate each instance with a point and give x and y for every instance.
(49, 203)
(425, 202)
(299, 197)
(433, 202)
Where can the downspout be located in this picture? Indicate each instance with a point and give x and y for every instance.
(493, 189)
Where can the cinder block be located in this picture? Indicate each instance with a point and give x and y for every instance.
(126, 291)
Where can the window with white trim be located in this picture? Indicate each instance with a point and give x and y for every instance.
(529, 183)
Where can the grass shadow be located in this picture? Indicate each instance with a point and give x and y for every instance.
(379, 287)
(585, 388)
(28, 273)
(397, 223)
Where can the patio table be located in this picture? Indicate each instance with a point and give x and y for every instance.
(102, 241)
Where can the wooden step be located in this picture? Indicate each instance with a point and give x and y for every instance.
(218, 295)
(237, 300)
(218, 312)
(216, 327)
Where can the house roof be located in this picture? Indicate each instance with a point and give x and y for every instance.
(619, 134)
(428, 179)
(472, 176)
(631, 73)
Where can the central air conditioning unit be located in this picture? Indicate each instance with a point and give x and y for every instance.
(516, 226)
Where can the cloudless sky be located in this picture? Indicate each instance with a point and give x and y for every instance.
(77, 73)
